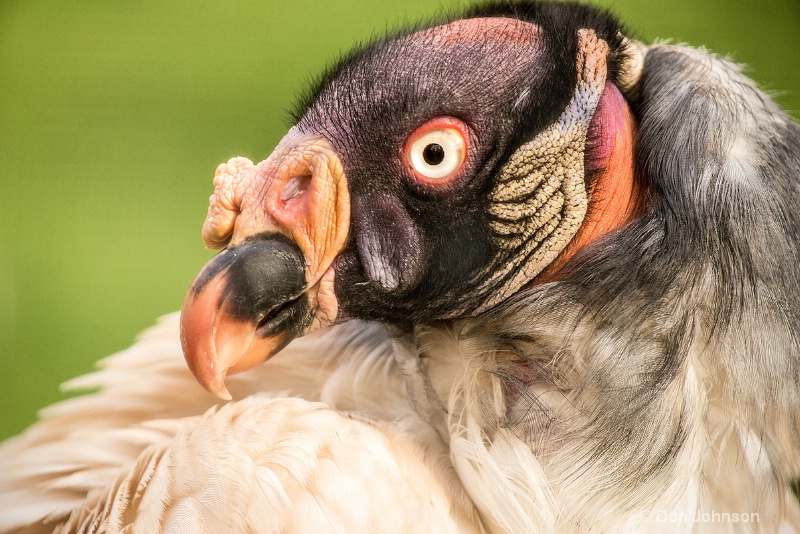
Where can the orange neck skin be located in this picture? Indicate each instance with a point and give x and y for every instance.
(616, 198)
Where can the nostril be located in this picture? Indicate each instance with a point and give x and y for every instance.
(295, 187)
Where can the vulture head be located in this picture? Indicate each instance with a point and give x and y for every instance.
(608, 230)
(433, 175)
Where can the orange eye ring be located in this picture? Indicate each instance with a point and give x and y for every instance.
(436, 151)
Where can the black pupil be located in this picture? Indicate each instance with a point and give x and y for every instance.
(433, 154)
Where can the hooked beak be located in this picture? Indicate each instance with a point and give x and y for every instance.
(284, 221)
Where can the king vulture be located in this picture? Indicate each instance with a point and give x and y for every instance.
(510, 272)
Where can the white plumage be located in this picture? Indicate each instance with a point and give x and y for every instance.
(322, 438)
(152, 452)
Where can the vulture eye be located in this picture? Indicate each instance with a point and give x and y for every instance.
(436, 151)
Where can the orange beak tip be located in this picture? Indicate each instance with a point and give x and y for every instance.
(218, 389)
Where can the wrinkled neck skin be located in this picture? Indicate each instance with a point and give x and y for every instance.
(616, 197)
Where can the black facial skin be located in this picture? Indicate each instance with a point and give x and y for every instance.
(370, 103)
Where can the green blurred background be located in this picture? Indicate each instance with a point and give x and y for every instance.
(114, 115)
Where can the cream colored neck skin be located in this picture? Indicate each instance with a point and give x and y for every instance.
(616, 197)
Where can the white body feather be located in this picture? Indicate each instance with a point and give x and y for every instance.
(128, 459)
(320, 439)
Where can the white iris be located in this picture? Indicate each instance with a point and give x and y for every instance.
(437, 154)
